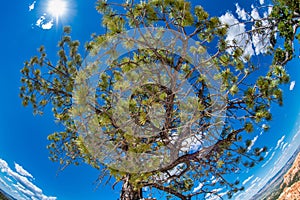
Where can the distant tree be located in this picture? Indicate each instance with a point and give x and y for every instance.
(192, 173)
(3, 196)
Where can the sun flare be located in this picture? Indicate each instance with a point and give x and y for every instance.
(57, 8)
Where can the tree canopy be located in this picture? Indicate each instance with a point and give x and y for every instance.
(197, 119)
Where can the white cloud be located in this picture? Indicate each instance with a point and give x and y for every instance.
(222, 194)
(22, 171)
(284, 155)
(8, 179)
(44, 23)
(255, 180)
(4, 183)
(249, 190)
(267, 153)
(242, 14)
(9, 190)
(264, 127)
(196, 189)
(257, 41)
(245, 194)
(40, 21)
(31, 7)
(280, 142)
(284, 146)
(3, 165)
(247, 180)
(18, 185)
(236, 32)
(260, 42)
(192, 143)
(271, 157)
(215, 194)
(292, 85)
(215, 180)
(23, 190)
(252, 142)
(21, 184)
(296, 135)
(255, 14)
(176, 170)
(270, 8)
(217, 190)
(48, 25)
(212, 197)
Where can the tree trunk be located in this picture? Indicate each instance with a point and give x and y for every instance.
(128, 192)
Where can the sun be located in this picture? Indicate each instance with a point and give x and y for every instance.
(57, 8)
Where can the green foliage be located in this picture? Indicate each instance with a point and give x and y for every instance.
(43, 83)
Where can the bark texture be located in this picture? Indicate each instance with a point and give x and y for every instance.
(128, 192)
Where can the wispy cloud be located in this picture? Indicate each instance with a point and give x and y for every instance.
(31, 6)
(284, 146)
(292, 85)
(285, 155)
(255, 180)
(8, 179)
(252, 143)
(22, 171)
(249, 191)
(247, 180)
(19, 183)
(267, 153)
(215, 195)
(280, 142)
(4, 183)
(296, 135)
(215, 180)
(196, 189)
(271, 157)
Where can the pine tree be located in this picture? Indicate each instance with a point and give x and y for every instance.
(246, 104)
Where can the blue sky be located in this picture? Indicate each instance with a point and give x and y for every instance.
(24, 162)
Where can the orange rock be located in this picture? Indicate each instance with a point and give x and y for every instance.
(288, 177)
(291, 193)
